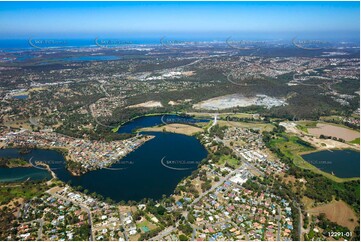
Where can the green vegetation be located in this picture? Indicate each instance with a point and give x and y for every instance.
(247, 123)
(150, 234)
(13, 162)
(281, 189)
(115, 129)
(355, 141)
(341, 121)
(6, 216)
(330, 228)
(302, 128)
(218, 131)
(291, 147)
(229, 161)
(27, 190)
(321, 188)
(307, 124)
(182, 237)
(186, 228)
(82, 232)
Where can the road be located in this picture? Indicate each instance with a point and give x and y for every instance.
(96, 120)
(217, 184)
(33, 121)
(279, 224)
(40, 231)
(250, 166)
(300, 224)
(82, 206)
(164, 233)
(213, 123)
(122, 219)
(105, 91)
(170, 229)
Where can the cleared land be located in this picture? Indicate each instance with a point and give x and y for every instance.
(338, 212)
(175, 128)
(334, 131)
(150, 104)
(294, 146)
(301, 130)
(253, 125)
(237, 100)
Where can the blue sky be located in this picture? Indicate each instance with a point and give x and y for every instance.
(89, 19)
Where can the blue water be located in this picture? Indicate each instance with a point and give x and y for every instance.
(23, 57)
(11, 45)
(342, 163)
(143, 176)
(150, 121)
(139, 175)
(21, 97)
(21, 173)
(23, 44)
(87, 58)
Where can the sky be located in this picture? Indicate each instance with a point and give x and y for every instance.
(89, 19)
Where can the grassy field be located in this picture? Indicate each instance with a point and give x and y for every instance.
(293, 147)
(355, 141)
(238, 115)
(302, 128)
(25, 190)
(231, 161)
(147, 224)
(250, 125)
(307, 124)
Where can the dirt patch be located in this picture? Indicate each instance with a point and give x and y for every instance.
(261, 126)
(307, 202)
(319, 144)
(334, 131)
(54, 190)
(238, 100)
(150, 104)
(176, 128)
(126, 209)
(338, 212)
(11, 204)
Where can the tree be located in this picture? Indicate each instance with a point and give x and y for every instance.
(182, 237)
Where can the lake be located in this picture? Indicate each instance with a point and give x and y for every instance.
(21, 97)
(81, 59)
(342, 163)
(22, 173)
(150, 121)
(154, 169)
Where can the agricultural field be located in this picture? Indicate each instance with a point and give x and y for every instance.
(338, 212)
